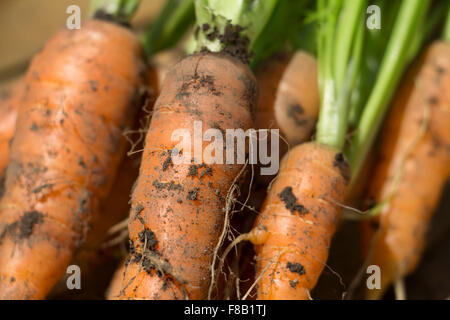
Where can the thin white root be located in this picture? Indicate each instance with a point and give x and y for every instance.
(118, 227)
(399, 289)
(240, 238)
(228, 210)
(272, 261)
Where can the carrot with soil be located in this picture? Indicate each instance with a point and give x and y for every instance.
(412, 168)
(81, 91)
(292, 234)
(179, 209)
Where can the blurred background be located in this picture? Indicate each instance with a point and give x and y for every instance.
(25, 25)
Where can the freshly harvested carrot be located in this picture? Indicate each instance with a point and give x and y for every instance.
(293, 232)
(289, 95)
(9, 104)
(176, 216)
(412, 168)
(82, 90)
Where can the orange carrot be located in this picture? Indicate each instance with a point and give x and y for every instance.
(292, 234)
(177, 209)
(82, 90)
(289, 96)
(412, 168)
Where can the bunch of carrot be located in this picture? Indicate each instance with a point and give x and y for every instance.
(327, 84)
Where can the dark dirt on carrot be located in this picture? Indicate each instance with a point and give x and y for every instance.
(342, 164)
(296, 268)
(290, 201)
(294, 112)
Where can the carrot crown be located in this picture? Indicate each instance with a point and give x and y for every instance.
(232, 26)
(340, 43)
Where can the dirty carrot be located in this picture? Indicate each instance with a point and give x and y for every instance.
(412, 168)
(301, 210)
(82, 90)
(179, 209)
(303, 206)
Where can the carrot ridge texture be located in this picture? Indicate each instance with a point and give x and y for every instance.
(298, 220)
(81, 91)
(420, 163)
(177, 214)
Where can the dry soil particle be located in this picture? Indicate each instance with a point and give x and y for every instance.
(26, 224)
(293, 283)
(296, 268)
(233, 42)
(193, 194)
(194, 169)
(171, 186)
(94, 85)
(342, 164)
(290, 201)
(44, 186)
(23, 228)
(168, 161)
(149, 236)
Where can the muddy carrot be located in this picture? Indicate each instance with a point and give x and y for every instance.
(82, 90)
(293, 232)
(412, 168)
(178, 209)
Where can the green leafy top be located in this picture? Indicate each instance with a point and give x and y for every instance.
(170, 26)
(221, 23)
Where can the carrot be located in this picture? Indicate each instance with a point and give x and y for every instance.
(180, 211)
(176, 216)
(82, 90)
(293, 232)
(412, 168)
(289, 95)
(9, 104)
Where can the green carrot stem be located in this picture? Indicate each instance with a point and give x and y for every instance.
(170, 26)
(340, 50)
(247, 18)
(394, 62)
(120, 11)
(446, 34)
(425, 30)
(374, 47)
